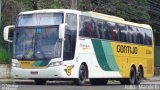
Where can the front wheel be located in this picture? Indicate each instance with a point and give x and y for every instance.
(82, 76)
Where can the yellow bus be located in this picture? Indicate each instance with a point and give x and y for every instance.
(65, 44)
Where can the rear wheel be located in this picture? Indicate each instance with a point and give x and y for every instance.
(139, 76)
(82, 76)
(98, 81)
(40, 81)
(132, 78)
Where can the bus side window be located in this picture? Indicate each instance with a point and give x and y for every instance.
(122, 31)
(100, 29)
(108, 31)
(140, 36)
(130, 35)
(148, 37)
(81, 21)
(95, 30)
(111, 31)
(86, 28)
(70, 36)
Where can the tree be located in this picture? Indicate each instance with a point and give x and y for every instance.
(132, 10)
(10, 10)
(154, 12)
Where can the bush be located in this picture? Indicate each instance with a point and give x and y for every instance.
(5, 56)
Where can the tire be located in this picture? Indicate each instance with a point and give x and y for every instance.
(98, 81)
(40, 81)
(82, 76)
(132, 77)
(139, 76)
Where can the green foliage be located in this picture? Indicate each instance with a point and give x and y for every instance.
(132, 10)
(9, 81)
(61, 4)
(5, 56)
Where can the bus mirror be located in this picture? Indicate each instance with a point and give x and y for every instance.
(8, 30)
(61, 31)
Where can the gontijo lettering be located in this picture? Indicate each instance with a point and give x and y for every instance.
(127, 49)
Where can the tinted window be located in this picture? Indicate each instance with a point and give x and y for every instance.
(110, 30)
(96, 33)
(96, 29)
(122, 31)
(140, 39)
(100, 29)
(70, 37)
(148, 37)
(86, 26)
(132, 34)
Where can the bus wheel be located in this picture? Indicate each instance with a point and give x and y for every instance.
(132, 78)
(40, 81)
(82, 76)
(98, 81)
(139, 75)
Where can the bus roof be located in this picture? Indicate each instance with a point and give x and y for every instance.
(49, 11)
(105, 15)
(91, 14)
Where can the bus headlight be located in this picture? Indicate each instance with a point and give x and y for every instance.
(15, 65)
(55, 64)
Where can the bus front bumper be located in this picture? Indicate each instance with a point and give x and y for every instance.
(50, 72)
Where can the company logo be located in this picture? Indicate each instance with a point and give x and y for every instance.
(69, 70)
(127, 49)
(85, 46)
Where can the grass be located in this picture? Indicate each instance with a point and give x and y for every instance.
(5, 56)
(7, 82)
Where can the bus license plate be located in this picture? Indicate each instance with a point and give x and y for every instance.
(34, 72)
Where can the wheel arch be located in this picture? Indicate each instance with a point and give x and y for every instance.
(141, 66)
(134, 66)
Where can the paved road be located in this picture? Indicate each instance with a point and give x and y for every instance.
(71, 86)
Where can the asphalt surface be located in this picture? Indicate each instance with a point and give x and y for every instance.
(52, 85)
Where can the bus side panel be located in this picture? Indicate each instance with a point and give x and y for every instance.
(130, 54)
(99, 57)
(105, 59)
(114, 59)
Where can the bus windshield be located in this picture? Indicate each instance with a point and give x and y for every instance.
(40, 19)
(36, 43)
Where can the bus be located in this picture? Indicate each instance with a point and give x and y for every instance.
(66, 44)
